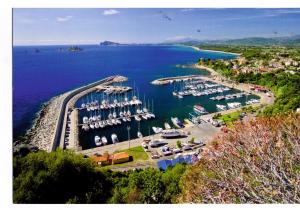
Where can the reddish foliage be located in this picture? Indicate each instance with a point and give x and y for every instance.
(254, 162)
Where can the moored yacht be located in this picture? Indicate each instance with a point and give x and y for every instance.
(177, 122)
(157, 129)
(98, 141)
(104, 140)
(199, 109)
(114, 138)
(170, 133)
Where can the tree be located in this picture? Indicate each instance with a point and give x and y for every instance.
(179, 144)
(58, 177)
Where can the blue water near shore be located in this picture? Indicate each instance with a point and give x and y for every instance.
(40, 75)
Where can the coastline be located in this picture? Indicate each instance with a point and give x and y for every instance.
(43, 127)
(217, 78)
(216, 51)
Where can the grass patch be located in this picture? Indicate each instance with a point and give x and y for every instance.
(137, 153)
(230, 118)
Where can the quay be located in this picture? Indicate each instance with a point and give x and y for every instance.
(204, 132)
(66, 124)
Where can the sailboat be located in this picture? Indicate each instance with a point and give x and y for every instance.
(139, 134)
(98, 141)
(114, 138)
(104, 140)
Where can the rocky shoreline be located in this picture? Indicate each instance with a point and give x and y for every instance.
(42, 131)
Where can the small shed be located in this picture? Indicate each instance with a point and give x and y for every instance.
(120, 157)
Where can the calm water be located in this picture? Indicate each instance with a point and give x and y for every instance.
(38, 76)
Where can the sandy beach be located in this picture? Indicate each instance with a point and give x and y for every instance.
(217, 51)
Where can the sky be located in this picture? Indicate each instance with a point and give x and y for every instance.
(91, 26)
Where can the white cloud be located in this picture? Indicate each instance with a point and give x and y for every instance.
(64, 19)
(110, 12)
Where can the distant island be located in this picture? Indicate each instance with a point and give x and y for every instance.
(74, 49)
(109, 43)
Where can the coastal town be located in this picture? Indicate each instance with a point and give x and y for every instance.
(260, 60)
(153, 106)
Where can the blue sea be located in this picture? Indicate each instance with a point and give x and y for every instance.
(39, 73)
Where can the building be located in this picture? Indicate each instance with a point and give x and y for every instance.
(120, 157)
(101, 159)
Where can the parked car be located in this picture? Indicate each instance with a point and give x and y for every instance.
(154, 156)
(177, 150)
(186, 147)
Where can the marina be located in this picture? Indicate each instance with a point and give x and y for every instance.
(118, 109)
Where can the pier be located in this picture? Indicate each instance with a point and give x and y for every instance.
(168, 80)
(67, 112)
(113, 89)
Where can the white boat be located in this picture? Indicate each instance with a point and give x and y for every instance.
(101, 124)
(177, 122)
(221, 107)
(128, 119)
(109, 122)
(92, 125)
(199, 109)
(167, 126)
(234, 105)
(104, 140)
(85, 119)
(156, 142)
(85, 127)
(157, 129)
(114, 121)
(98, 141)
(114, 138)
(170, 133)
(139, 134)
(144, 116)
(137, 118)
(97, 125)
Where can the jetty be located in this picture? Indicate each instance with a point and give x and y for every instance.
(113, 89)
(168, 80)
(59, 118)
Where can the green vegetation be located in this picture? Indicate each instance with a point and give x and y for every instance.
(192, 140)
(283, 79)
(148, 185)
(64, 177)
(179, 145)
(230, 118)
(58, 177)
(285, 86)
